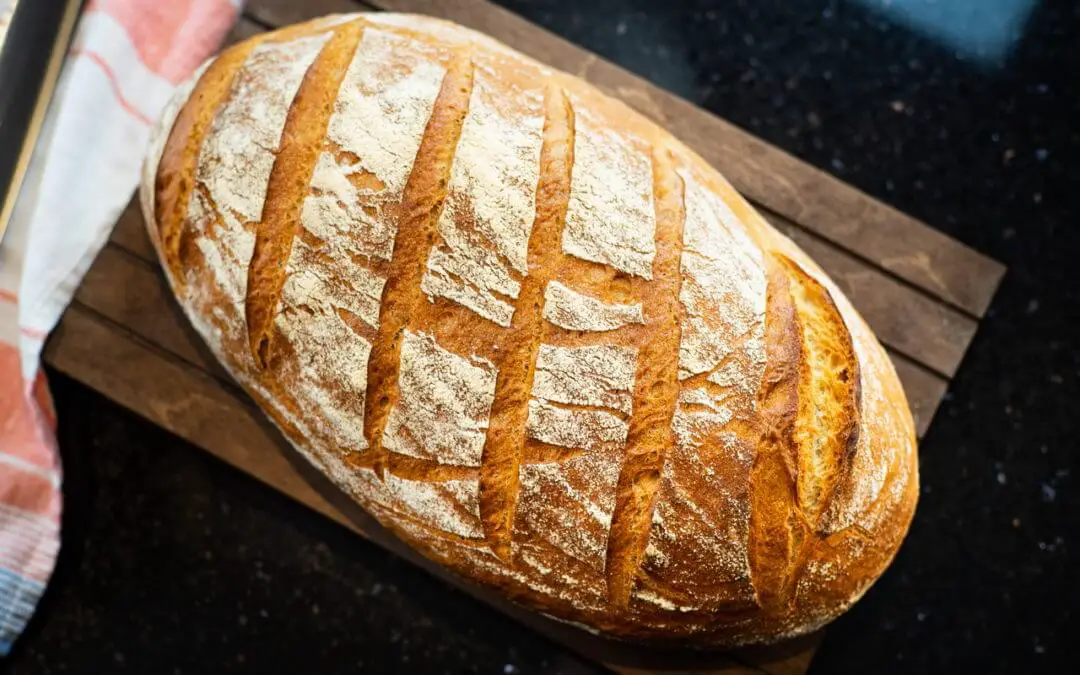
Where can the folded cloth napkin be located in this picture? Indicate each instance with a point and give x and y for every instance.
(126, 58)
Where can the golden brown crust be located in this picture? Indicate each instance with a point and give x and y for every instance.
(425, 191)
(302, 137)
(656, 391)
(174, 180)
(503, 452)
(532, 333)
(827, 425)
(776, 531)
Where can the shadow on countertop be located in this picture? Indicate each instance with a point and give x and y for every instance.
(173, 562)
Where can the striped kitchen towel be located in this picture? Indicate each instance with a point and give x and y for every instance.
(126, 58)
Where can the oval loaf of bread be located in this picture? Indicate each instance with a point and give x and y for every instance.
(530, 332)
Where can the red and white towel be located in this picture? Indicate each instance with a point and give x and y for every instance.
(126, 58)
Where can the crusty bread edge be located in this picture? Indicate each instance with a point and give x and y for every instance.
(862, 568)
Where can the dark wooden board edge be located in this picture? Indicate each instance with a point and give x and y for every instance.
(176, 395)
(771, 178)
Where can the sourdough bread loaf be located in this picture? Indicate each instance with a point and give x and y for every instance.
(530, 332)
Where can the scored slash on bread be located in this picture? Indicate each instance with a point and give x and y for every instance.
(532, 333)
(827, 423)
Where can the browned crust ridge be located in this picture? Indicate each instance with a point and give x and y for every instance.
(810, 413)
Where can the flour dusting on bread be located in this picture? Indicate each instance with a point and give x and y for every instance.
(444, 406)
(159, 136)
(236, 159)
(232, 174)
(593, 376)
(610, 216)
(569, 504)
(391, 85)
(448, 506)
(723, 291)
(644, 310)
(490, 203)
(566, 308)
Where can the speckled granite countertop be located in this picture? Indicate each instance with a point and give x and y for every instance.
(963, 113)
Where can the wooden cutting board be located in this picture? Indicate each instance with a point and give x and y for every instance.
(922, 293)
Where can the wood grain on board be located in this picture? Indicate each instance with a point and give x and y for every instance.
(920, 291)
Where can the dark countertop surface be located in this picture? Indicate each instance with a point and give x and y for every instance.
(963, 113)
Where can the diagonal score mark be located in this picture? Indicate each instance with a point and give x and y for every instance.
(656, 389)
(422, 201)
(174, 183)
(301, 140)
(509, 412)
